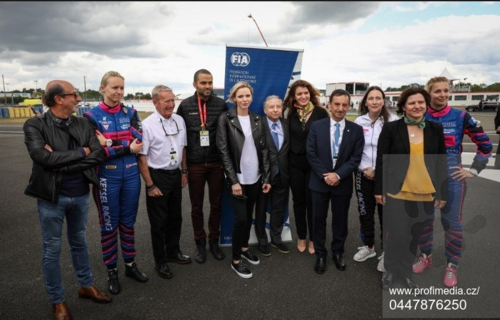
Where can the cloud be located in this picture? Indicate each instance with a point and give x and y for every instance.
(111, 29)
(166, 42)
(330, 12)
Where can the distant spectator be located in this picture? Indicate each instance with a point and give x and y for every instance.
(36, 112)
(388, 103)
(497, 128)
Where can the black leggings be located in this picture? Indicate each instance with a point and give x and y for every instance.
(243, 211)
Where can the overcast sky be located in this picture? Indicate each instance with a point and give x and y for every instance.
(150, 43)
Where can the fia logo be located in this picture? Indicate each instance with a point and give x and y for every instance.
(240, 59)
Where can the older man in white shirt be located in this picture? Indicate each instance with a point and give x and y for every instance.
(162, 164)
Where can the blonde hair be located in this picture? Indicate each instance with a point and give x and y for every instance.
(432, 81)
(236, 87)
(107, 75)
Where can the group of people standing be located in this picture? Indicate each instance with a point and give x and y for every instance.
(407, 167)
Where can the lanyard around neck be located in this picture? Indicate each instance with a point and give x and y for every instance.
(203, 113)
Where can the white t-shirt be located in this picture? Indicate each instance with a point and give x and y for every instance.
(249, 162)
(371, 133)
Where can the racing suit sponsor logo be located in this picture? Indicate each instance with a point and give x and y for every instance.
(449, 137)
(105, 124)
(103, 196)
(130, 165)
(361, 199)
(448, 124)
(110, 166)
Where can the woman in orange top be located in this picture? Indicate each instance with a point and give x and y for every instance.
(410, 180)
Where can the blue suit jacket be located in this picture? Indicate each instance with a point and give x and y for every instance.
(319, 155)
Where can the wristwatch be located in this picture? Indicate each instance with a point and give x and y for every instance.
(473, 171)
(109, 143)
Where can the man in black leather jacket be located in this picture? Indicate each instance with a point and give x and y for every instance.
(64, 150)
(200, 113)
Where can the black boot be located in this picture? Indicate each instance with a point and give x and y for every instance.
(134, 272)
(201, 251)
(497, 161)
(215, 249)
(113, 284)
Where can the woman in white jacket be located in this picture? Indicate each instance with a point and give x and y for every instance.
(373, 115)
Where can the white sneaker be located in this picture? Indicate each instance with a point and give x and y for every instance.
(380, 266)
(364, 253)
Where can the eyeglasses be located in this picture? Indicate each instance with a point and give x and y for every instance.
(170, 134)
(74, 94)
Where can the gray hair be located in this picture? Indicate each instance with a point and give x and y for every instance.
(159, 88)
(272, 97)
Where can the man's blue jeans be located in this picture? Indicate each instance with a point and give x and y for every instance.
(51, 220)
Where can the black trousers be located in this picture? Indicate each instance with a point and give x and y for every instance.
(275, 200)
(340, 209)
(243, 212)
(199, 175)
(365, 192)
(404, 222)
(497, 157)
(300, 171)
(165, 213)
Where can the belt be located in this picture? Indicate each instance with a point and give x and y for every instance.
(174, 171)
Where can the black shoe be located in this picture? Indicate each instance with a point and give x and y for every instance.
(200, 255)
(281, 247)
(163, 270)
(179, 258)
(265, 250)
(410, 284)
(320, 265)
(242, 270)
(387, 280)
(113, 284)
(215, 249)
(252, 258)
(134, 272)
(339, 262)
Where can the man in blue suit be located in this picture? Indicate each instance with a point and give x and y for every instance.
(334, 149)
(278, 144)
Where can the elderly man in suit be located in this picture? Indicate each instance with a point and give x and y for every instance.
(334, 150)
(278, 142)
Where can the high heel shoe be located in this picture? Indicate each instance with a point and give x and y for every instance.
(301, 245)
(311, 247)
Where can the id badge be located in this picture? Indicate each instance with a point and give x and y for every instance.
(204, 138)
(173, 155)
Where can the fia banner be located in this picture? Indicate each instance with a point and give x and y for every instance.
(270, 71)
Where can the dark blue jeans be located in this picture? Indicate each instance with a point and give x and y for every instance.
(52, 215)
